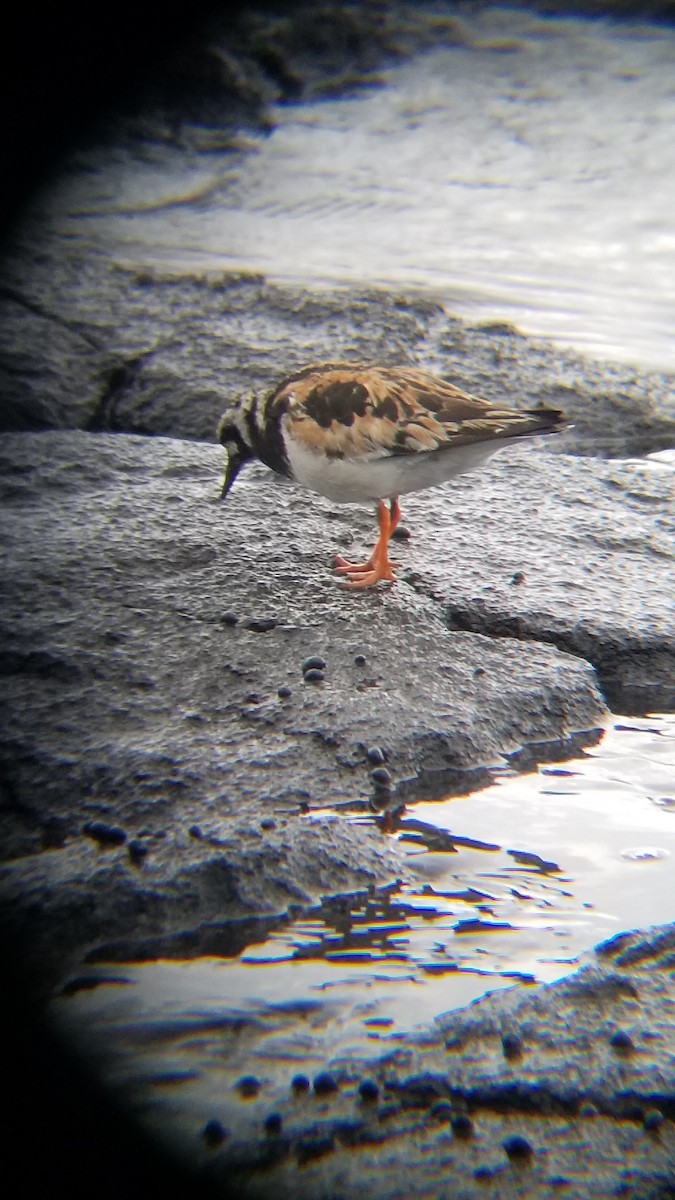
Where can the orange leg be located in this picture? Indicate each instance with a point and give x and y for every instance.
(378, 566)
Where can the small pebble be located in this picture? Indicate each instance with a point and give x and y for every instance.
(213, 1133)
(484, 1173)
(248, 1085)
(368, 1091)
(284, 692)
(229, 618)
(478, 672)
(381, 777)
(512, 1045)
(300, 1083)
(375, 755)
(195, 832)
(441, 1110)
(653, 1119)
(137, 851)
(517, 578)
(359, 660)
(401, 534)
(517, 1147)
(314, 675)
(621, 1041)
(315, 661)
(273, 1123)
(462, 1125)
(324, 1084)
(105, 835)
(268, 823)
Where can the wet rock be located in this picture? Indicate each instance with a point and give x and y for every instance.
(127, 537)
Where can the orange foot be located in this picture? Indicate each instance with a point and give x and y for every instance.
(378, 566)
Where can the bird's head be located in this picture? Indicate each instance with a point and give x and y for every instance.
(234, 435)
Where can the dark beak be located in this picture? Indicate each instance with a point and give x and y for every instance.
(235, 461)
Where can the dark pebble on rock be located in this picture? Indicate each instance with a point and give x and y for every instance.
(228, 618)
(273, 1123)
(314, 662)
(517, 578)
(368, 1091)
(262, 624)
(248, 1085)
(324, 1084)
(381, 777)
(375, 755)
(213, 1133)
(137, 851)
(512, 1045)
(653, 1119)
(360, 660)
(401, 534)
(621, 1041)
(314, 675)
(517, 1147)
(268, 823)
(484, 1173)
(462, 1125)
(300, 1083)
(195, 832)
(478, 672)
(441, 1111)
(105, 835)
(284, 692)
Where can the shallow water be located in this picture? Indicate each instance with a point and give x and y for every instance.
(526, 176)
(511, 885)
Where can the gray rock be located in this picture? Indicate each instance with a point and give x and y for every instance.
(94, 346)
(570, 1113)
(581, 556)
(128, 701)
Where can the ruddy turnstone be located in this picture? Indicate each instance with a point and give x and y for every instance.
(360, 433)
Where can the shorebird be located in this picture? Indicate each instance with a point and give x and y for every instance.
(362, 433)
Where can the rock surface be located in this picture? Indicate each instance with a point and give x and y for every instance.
(89, 345)
(566, 1090)
(147, 631)
(161, 752)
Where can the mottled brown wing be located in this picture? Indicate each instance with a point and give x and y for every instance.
(355, 410)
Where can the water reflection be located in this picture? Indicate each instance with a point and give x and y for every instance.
(575, 854)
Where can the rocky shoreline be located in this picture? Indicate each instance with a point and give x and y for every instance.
(161, 747)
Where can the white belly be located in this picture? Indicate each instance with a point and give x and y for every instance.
(349, 481)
